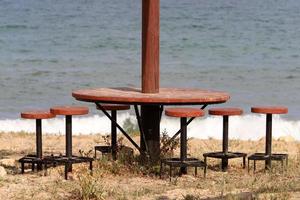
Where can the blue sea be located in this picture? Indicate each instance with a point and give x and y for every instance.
(250, 49)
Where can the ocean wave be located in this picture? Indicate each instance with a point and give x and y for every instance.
(247, 127)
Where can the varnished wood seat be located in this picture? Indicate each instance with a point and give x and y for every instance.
(225, 111)
(69, 110)
(36, 159)
(69, 158)
(268, 156)
(184, 112)
(104, 149)
(225, 155)
(270, 109)
(37, 114)
(183, 161)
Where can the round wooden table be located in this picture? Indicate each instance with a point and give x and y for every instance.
(151, 107)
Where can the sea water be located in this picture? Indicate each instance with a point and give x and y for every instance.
(247, 48)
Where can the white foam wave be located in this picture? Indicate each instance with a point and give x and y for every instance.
(247, 127)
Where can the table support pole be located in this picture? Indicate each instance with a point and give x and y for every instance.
(150, 115)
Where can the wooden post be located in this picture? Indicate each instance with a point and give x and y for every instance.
(150, 46)
(150, 77)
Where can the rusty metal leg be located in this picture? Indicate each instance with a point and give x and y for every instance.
(254, 165)
(114, 135)
(205, 165)
(160, 169)
(22, 168)
(95, 156)
(150, 118)
(183, 143)
(32, 166)
(224, 164)
(46, 168)
(39, 152)
(170, 173)
(225, 143)
(66, 170)
(196, 171)
(69, 140)
(268, 140)
(248, 165)
(91, 165)
(91, 168)
(244, 162)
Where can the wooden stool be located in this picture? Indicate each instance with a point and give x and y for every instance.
(225, 155)
(268, 156)
(183, 162)
(69, 158)
(38, 157)
(113, 146)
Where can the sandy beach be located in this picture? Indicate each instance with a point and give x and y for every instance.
(123, 180)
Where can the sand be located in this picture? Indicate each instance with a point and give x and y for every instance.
(119, 180)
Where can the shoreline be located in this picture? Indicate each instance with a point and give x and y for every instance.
(247, 127)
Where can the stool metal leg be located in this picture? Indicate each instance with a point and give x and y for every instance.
(183, 143)
(66, 170)
(32, 166)
(268, 140)
(39, 153)
(22, 167)
(205, 167)
(160, 169)
(69, 140)
(91, 165)
(46, 168)
(170, 173)
(282, 165)
(248, 165)
(225, 143)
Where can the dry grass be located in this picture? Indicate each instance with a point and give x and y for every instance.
(119, 180)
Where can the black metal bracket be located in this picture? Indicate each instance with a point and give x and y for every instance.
(179, 131)
(118, 126)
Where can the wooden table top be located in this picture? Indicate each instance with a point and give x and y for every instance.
(166, 96)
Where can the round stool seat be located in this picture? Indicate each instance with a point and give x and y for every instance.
(225, 111)
(69, 110)
(270, 110)
(114, 107)
(38, 114)
(184, 112)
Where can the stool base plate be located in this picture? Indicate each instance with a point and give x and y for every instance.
(177, 162)
(262, 156)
